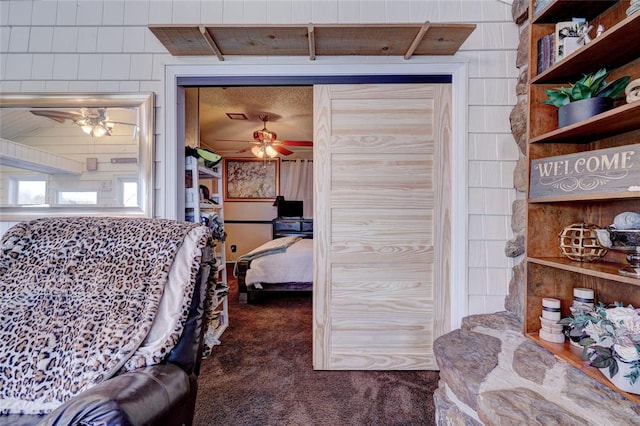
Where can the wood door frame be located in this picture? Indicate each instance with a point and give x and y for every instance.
(170, 152)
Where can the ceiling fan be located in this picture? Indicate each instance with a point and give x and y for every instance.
(266, 144)
(92, 121)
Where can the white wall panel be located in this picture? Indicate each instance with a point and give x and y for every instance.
(42, 67)
(66, 13)
(65, 66)
(19, 39)
(116, 67)
(160, 12)
(185, 12)
(136, 12)
(17, 66)
(41, 39)
(56, 86)
(300, 11)
(89, 12)
(113, 12)
(90, 67)
(110, 39)
(20, 12)
(370, 12)
(87, 39)
(64, 39)
(398, 11)
(450, 11)
(134, 39)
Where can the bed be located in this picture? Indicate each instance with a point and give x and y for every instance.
(282, 264)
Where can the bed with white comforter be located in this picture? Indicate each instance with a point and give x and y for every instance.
(283, 264)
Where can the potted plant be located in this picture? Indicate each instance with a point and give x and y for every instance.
(610, 341)
(585, 98)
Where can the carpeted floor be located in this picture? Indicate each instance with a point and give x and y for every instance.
(262, 374)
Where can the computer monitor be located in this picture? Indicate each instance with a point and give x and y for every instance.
(289, 208)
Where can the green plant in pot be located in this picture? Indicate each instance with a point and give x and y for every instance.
(586, 97)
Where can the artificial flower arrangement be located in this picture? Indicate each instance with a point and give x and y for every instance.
(609, 335)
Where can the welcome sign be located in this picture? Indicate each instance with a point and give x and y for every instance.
(603, 171)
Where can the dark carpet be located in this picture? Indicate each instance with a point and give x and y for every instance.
(262, 374)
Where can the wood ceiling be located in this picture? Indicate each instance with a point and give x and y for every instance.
(313, 40)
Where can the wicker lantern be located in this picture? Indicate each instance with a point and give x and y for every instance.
(578, 241)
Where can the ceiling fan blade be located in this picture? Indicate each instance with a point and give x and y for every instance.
(296, 143)
(244, 150)
(59, 116)
(282, 150)
(236, 140)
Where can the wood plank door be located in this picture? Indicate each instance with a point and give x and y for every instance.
(382, 225)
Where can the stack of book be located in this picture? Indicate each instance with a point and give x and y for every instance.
(546, 52)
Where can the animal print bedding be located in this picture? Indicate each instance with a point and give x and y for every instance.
(77, 298)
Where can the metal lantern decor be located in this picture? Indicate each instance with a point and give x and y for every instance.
(579, 241)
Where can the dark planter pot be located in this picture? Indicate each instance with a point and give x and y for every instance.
(581, 110)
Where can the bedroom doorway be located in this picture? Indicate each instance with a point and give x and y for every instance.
(325, 343)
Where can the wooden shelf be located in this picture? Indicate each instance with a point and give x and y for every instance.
(559, 10)
(572, 355)
(622, 119)
(194, 210)
(586, 197)
(602, 52)
(548, 273)
(604, 270)
(312, 40)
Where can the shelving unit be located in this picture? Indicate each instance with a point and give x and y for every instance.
(548, 272)
(196, 208)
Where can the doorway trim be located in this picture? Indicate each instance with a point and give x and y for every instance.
(458, 70)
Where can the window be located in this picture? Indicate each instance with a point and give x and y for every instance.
(77, 197)
(28, 191)
(129, 193)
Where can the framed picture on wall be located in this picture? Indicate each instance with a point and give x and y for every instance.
(251, 179)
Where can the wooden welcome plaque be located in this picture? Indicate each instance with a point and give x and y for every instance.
(596, 174)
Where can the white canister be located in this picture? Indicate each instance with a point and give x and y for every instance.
(551, 308)
(583, 296)
(551, 337)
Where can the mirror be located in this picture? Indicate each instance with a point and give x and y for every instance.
(74, 154)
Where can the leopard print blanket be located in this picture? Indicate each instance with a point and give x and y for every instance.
(77, 298)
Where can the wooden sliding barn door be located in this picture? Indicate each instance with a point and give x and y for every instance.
(382, 226)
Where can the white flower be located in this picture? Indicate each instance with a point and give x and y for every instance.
(626, 353)
(627, 317)
(599, 335)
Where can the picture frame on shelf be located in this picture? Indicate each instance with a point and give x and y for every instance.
(251, 179)
(567, 37)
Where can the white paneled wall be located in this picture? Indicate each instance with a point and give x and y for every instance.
(105, 46)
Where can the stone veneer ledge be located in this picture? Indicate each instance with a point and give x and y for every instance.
(492, 374)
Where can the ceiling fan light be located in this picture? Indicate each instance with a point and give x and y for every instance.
(270, 151)
(258, 151)
(264, 136)
(99, 130)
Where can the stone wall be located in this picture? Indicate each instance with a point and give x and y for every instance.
(490, 373)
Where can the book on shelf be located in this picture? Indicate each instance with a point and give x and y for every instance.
(539, 6)
(546, 56)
